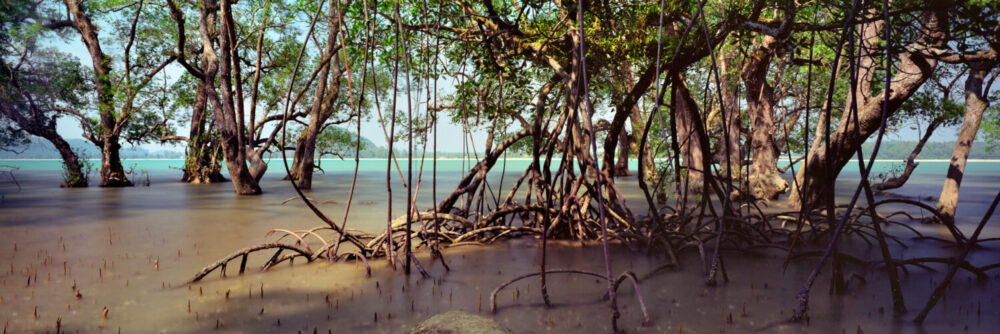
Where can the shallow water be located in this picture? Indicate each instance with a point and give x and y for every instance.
(132, 250)
(276, 166)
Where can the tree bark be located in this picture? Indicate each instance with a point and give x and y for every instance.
(75, 176)
(323, 104)
(732, 121)
(222, 107)
(765, 183)
(623, 110)
(112, 173)
(690, 144)
(201, 163)
(975, 104)
(637, 125)
(630, 142)
(621, 166)
(913, 70)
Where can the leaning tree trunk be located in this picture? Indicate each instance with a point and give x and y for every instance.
(201, 164)
(630, 142)
(623, 111)
(911, 161)
(75, 177)
(763, 178)
(975, 104)
(40, 126)
(913, 70)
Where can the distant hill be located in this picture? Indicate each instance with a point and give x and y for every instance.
(932, 150)
(43, 149)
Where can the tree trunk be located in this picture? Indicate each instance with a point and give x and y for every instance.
(732, 121)
(222, 107)
(621, 167)
(75, 177)
(112, 173)
(201, 164)
(765, 183)
(625, 109)
(41, 126)
(975, 104)
(913, 71)
(911, 163)
(294, 170)
(305, 154)
(637, 126)
(690, 144)
(257, 164)
(323, 104)
(628, 142)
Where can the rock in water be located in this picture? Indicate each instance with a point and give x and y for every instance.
(458, 322)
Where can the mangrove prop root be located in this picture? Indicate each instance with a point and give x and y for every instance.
(621, 278)
(638, 293)
(243, 253)
(493, 295)
(368, 267)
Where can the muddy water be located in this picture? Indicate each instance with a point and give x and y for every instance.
(132, 250)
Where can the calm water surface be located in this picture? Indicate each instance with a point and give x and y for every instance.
(132, 250)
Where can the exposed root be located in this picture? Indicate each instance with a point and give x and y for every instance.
(244, 253)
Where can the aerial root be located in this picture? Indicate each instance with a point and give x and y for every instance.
(358, 255)
(244, 253)
(576, 219)
(621, 278)
(493, 295)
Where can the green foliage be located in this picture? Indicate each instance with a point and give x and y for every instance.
(39, 82)
(11, 135)
(939, 100)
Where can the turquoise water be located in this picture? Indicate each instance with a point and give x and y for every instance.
(275, 166)
(932, 166)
